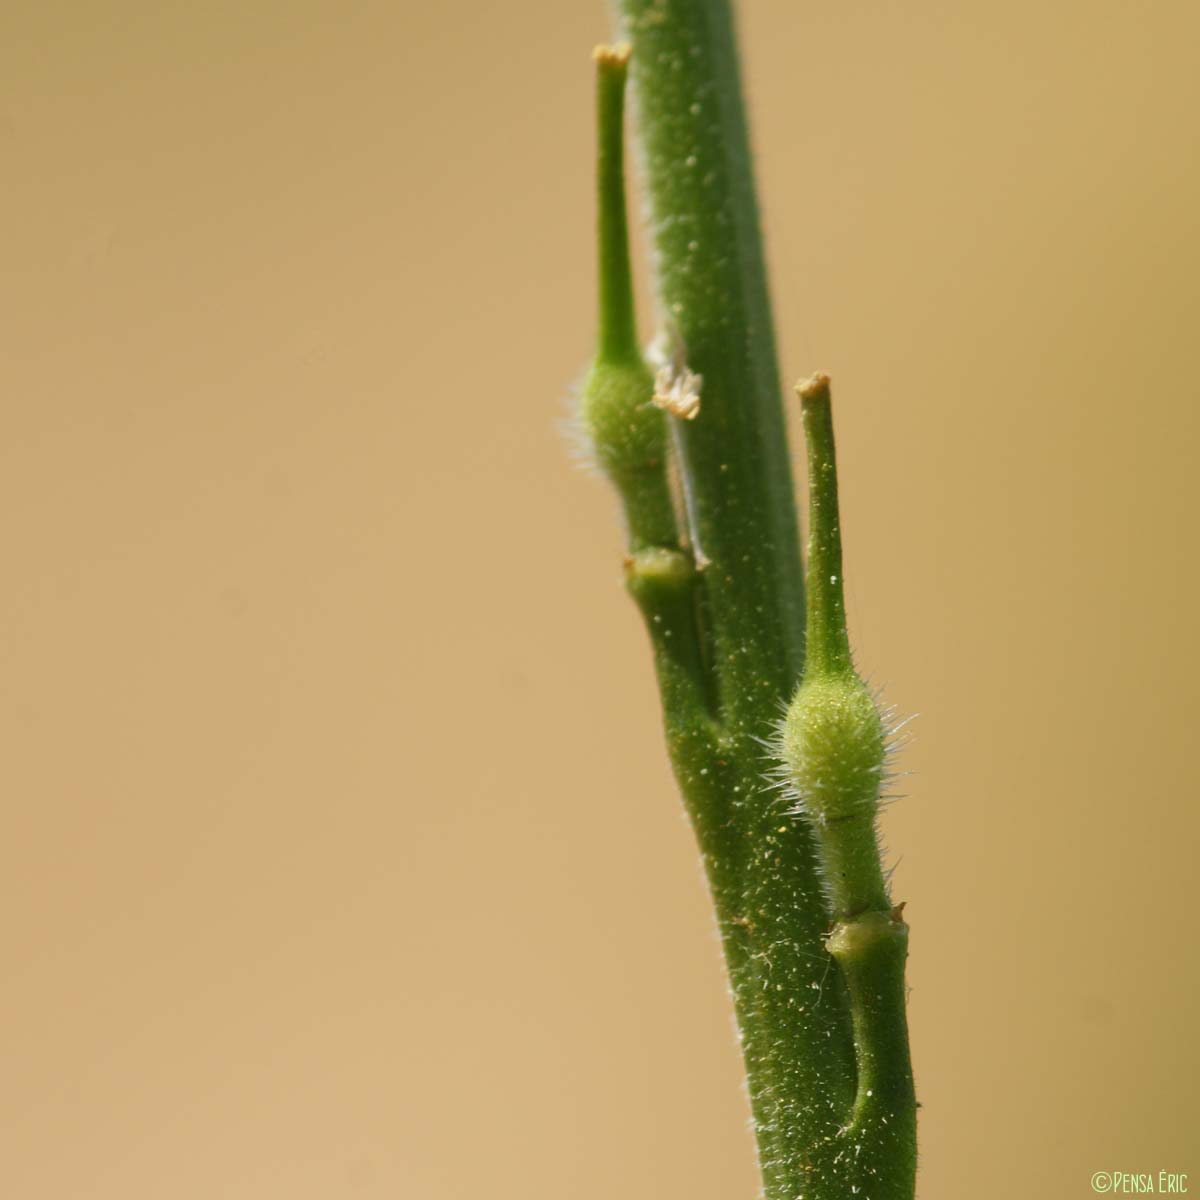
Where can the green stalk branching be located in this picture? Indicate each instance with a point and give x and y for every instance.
(814, 949)
(833, 751)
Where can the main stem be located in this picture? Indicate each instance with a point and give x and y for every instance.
(792, 1006)
(719, 582)
(713, 291)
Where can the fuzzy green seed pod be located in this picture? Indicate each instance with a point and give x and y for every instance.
(627, 433)
(832, 743)
(833, 747)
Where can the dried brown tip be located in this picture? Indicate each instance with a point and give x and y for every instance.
(813, 388)
(612, 56)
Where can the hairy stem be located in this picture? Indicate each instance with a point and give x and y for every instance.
(713, 291)
(834, 748)
(879, 1142)
(793, 1013)
(725, 610)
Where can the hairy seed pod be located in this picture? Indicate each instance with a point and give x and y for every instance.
(833, 744)
(627, 432)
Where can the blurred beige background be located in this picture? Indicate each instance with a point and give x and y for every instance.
(339, 856)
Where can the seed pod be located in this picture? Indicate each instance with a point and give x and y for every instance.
(833, 748)
(832, 743)
(627, 433)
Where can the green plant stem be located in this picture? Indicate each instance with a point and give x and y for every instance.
(880, 1139)
(630, 440)
(834, 746)
(793, 1013)
(725, 607)
(713, 290)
